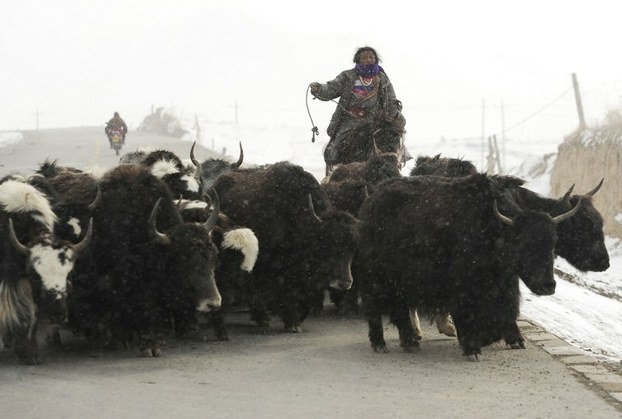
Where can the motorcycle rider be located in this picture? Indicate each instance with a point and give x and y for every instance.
(116, 122)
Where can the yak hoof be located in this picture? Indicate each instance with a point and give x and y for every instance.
(151, 352)
(474, 358)
(412, 348)
(29, 361)
(445, 325)
(293, 329)
(380, 348)
(517, 345)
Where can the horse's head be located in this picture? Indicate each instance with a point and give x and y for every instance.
(379, 135)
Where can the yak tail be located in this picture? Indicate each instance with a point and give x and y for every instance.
(17, 308)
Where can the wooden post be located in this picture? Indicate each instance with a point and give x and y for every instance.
(483, 127)
(497, 156)
(502, 134)
(490, 165)
(197, 128)
(577, 96)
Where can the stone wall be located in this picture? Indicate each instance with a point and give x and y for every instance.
(584, 158)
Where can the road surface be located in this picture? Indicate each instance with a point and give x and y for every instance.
(329, 370)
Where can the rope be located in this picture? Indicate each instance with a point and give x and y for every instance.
(314, 129)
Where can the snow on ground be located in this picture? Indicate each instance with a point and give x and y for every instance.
(8, 137)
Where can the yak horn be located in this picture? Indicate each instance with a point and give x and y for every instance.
(153, 229)
(312, 209)
(15, 241)
(593, 191)
(568, 214)
(194, 161)
(86, 240)
(566, 197)
(240, 159)
(501, 217)
(213, 218)
(97, 200)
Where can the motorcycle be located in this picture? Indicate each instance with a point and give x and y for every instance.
(115, 136)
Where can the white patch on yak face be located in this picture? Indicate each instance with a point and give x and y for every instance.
(74, 223)
(53, 266)
(191, 182)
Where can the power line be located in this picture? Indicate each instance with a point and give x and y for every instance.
(532, 115)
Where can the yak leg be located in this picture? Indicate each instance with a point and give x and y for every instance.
(25, 346)
(7, 340)
(291, 319)
(467, 338)
(376, 336)
(444, 324)
(258, 308)
(414, 319)
(513, 337)
(347, 302)
(401, 317)
(149, 345)
(218, 322)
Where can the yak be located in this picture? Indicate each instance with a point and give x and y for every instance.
(208, 170)
(167, 166)
(441, 245)
(73, 193)
(34, 267)
(580, 239)
(151, 270)
(238, 248)
(304, 244)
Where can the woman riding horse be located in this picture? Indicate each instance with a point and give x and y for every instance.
(366, 100)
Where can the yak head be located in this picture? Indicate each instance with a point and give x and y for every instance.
(533, 235)
(191, 257)
(581, 238)
(332, 246)
(51, 259)
(210, 169)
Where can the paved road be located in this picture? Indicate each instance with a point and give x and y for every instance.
(84, 147)
(327, 371)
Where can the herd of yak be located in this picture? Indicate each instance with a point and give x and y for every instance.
(155, 246)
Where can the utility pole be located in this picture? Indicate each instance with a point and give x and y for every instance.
(497, 156)
(483, 128)
(502, 134)
(577, 96)
(197, 128)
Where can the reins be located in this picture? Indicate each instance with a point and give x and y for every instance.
(314, 128)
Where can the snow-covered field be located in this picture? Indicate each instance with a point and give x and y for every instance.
(586, 312)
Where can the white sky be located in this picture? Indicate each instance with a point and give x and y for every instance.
(77, 61)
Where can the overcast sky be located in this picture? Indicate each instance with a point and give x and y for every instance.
(77, 62)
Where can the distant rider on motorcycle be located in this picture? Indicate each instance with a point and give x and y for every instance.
(116, 123)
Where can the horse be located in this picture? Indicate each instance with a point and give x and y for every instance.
(371, 137)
